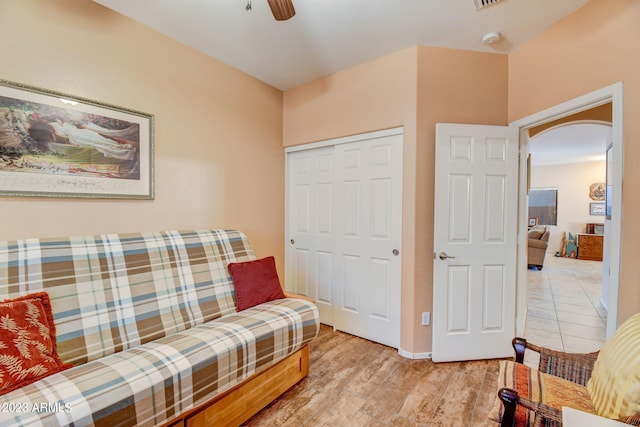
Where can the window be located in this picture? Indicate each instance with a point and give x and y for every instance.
(543, 205)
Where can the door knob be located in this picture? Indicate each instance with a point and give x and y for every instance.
(443, 255)
(395, 252)
(292, 241)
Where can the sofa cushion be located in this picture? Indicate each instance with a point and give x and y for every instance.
(255, 282)
(538, 387)
(536, 232)
(27, 341)
(116, 291)
(538, 244)
(150, 384)
(614, 385)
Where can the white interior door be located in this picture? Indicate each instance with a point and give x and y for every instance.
(310, 254)
(344, 227)
(475, 226)
(368, 238)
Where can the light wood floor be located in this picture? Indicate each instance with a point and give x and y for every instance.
(354, 382)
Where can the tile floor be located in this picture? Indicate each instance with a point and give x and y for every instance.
(564, 310)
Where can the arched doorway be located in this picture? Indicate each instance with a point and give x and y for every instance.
(612, 95)
(567, 300)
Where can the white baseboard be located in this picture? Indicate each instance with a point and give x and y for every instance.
(414, 356)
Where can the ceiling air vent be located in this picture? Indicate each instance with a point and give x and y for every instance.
(484, 3)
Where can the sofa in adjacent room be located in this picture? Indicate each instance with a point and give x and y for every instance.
(538, 241)
(145, 329)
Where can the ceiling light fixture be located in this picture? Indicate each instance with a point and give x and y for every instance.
(490, 38)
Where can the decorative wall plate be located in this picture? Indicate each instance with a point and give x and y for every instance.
(597, 191)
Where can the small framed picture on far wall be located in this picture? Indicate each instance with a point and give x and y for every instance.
(596, 208)
(533, 222)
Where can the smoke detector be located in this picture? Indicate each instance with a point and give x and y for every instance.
(490, 38)
(484, 3)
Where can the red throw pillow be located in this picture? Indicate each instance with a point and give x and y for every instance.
(255, 282)
(27, 341)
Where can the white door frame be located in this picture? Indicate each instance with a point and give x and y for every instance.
(345, 140)
(613, 94)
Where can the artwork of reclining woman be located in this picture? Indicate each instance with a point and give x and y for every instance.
(83, 146)
(54, 140)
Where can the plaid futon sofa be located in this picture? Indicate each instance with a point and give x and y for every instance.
(149, 322)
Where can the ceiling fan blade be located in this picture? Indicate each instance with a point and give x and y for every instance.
(282, 9)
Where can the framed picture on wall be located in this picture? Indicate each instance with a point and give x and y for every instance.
(596, 209)
(533, 222)
(58, 145)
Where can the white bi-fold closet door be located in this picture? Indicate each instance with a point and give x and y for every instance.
(343, 230)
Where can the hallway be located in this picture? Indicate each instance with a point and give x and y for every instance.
(564, 311)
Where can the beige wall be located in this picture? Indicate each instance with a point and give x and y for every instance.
(572, 181)
(594, 47)
(376, 95)
(455, 86)
(219, 157)
(414, 88)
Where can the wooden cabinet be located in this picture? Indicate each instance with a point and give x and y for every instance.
(590, 246)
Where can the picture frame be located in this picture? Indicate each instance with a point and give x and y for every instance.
(609, 183)
(54, 144)
(597, 208)
(533, 222)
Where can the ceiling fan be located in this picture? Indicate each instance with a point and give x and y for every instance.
(281, 9)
